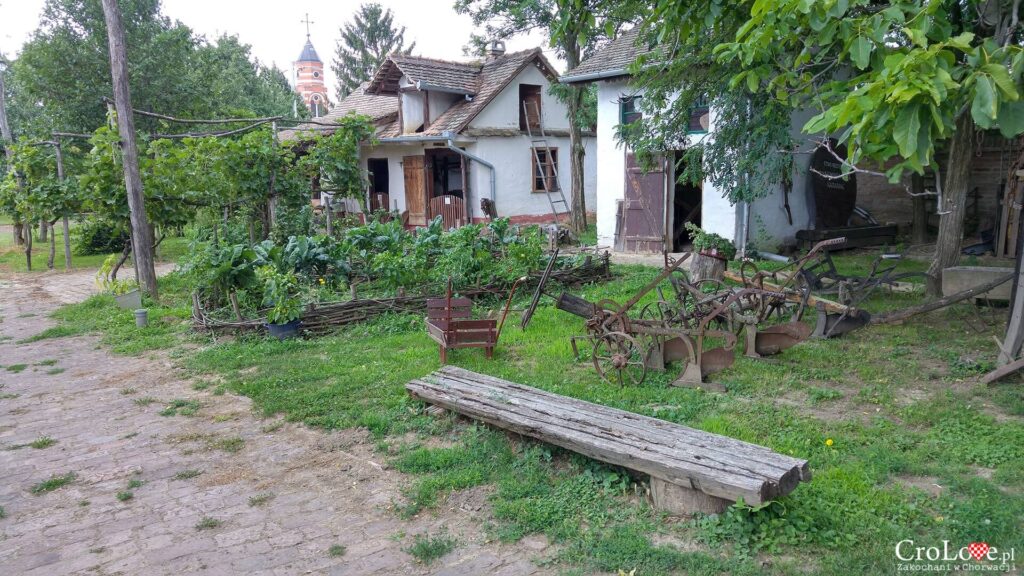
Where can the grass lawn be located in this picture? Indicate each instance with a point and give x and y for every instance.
(12, 257)
(904, 443)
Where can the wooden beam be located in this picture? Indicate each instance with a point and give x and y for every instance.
(793, 296)
(715, 465)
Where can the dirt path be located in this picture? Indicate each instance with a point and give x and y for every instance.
(275, 497)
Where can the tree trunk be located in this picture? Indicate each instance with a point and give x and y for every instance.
(954, 199)
(142, 239)
(919, 226)
(234, 305)
(27, 231)
(577, 152)
(53, 247)
(19, 235)
(42, 230)
(120, 261)
(706, 268)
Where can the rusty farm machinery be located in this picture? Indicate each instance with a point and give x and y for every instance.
(699, 324)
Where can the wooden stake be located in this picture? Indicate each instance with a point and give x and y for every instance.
(66, 226)
(142, 240)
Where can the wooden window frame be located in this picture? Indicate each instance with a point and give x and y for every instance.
(634, 115)
(550, 167)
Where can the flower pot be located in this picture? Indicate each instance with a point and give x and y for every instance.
(129, 300)
(286, 330)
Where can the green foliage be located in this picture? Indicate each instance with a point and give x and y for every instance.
(280, 293)
(97, 236)
(63, 71)
(335, 156)
(910, 70)
(53, 483)
(426, 548)
(110, 285)
(364, 44)
(30, 190)
(708, 241)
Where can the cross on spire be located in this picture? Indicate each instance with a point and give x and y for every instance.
(307, 21)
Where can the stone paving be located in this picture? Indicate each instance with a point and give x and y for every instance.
(277, 496)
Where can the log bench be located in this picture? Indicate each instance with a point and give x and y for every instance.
(691, 470)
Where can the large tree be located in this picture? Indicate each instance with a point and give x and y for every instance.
(573, 28)
(895, 81)
(62, 74)
(364, 44)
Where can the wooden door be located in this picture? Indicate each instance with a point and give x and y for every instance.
(414, 170)
(643, 209)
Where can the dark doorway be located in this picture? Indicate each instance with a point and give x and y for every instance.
(379, 184)
(447, 190)
(686, 205)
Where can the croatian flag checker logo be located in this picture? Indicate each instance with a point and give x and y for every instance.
(977, 549)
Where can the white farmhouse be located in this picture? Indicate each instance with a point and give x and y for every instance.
(635, 208)
(453, 134)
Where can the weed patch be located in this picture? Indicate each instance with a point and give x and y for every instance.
(53, 483)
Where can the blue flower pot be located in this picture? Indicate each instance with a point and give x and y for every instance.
(284, 331)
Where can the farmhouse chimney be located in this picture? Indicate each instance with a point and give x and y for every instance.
(496, 49)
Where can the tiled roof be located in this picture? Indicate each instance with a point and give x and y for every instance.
(611, 61)
(488, 79)
(379, 108)
(493, 77)
(439, 74)
(308, 53)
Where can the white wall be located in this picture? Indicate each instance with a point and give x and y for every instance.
(503, 111)
(396, 174)
(440, 102)
(611, 159)
(412, 111)
(512, 160)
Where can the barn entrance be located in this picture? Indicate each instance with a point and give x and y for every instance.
(686, 204)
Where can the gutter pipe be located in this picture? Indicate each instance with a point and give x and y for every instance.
(450, 136)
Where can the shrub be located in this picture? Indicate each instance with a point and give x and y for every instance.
(98, 237)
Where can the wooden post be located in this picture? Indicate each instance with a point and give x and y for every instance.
(1014, 340)
(142, 241)
(66, 226)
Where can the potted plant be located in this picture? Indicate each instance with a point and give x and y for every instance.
(711, 252)
(126, 292)
(280, 295)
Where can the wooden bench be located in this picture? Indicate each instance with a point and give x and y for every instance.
(691, 470)
(450, 323)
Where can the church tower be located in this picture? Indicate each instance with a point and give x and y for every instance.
(309, 78)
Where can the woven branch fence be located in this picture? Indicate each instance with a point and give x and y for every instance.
(324, 318)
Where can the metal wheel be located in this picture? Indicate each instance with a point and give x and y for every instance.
(619, 359)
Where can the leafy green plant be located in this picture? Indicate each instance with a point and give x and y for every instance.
(280, 293)
(708, 242)
(107, 283)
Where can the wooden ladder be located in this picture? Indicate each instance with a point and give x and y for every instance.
(552, 186)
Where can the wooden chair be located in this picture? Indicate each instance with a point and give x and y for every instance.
(450, 323)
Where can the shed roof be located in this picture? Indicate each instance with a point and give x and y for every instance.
(380, 109)
(611, 61)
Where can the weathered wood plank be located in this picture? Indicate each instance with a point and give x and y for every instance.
(716, 465)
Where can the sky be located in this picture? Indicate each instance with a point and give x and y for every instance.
(276, 32)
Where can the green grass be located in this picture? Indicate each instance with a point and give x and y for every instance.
(16, 368)
(261, 498)
(336, 551)
(208, 523)
(42, 442)
(426, 548)
(124, 496)
(187, 474)
(12, 258)
(3, 513)
(53, 483)
(55, 371)
(897, 402)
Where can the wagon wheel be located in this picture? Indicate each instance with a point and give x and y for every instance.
(619, 359)
(659, 311)
(614, 320)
